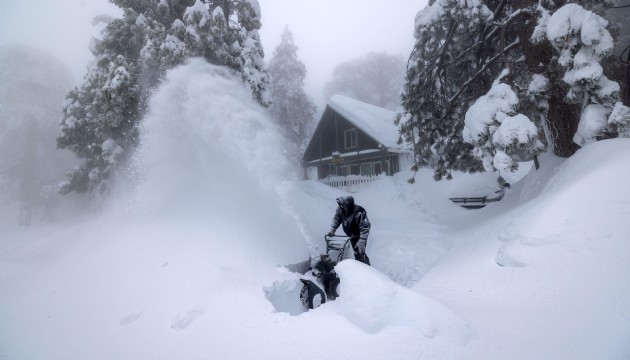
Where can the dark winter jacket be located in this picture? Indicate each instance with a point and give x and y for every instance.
(353, 219)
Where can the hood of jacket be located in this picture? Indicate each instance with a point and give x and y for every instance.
(346, 203)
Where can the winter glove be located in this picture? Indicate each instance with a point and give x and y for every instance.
(360, 248)
(331, 233)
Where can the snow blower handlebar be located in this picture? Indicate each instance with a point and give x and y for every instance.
(330, 236)
(336, 243)
(335, 238)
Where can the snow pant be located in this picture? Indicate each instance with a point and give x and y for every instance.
(326, 269)
(359, 255)
(330, 282)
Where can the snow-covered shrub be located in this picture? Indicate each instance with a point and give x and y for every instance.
(501, 135)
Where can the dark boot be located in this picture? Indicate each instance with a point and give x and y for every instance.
(358, 255)
(362, 257)
(331, 282)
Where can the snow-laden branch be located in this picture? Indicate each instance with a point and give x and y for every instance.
(476, 76)
(497, 27)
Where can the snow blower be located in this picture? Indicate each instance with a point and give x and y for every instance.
(322, 282)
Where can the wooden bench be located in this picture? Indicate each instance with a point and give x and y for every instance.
(471, 203)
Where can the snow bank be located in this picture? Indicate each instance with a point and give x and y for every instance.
(372, 301)
(184, 266)
(549, 278)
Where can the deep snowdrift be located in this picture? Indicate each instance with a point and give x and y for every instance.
(183, 265)
(548, 279)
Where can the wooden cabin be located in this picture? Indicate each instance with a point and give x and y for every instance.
(353, 138)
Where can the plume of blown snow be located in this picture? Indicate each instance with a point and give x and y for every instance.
(212, 157)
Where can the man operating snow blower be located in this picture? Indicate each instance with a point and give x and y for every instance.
(355, 223)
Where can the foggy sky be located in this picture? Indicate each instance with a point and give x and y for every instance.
(330, 32)
(327, 32)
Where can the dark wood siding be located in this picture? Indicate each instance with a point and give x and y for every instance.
(329, 137)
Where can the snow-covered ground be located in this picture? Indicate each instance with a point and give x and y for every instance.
(187, 263)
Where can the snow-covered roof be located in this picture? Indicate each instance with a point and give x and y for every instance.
(375, 121)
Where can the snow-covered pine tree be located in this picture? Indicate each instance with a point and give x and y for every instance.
(581, 40)
(242, 19)
(446, 60)
(291, 108)
(617, 66)
(102, 116)
(462, 46)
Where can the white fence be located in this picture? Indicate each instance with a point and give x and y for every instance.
(350, 181)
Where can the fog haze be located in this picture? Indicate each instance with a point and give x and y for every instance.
(330, 32)
(327, 32)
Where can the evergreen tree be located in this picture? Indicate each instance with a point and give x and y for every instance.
(446, 60)
(470, 53)
(375, 79)
(580, 40)
(617, 66)
(291, 108)
(102, 116)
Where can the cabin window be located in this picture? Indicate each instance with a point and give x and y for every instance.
(394, 164)
(366, 170)
(371, 168)
(378, 169)
(351, 138)
(350, 170)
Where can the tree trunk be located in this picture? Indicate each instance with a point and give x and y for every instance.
(562, 121)
(225, 5)
(626, 88)
(562, 118)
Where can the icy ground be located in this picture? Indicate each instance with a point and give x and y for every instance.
(187, 264)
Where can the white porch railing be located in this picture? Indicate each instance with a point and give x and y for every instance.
(350, 180)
